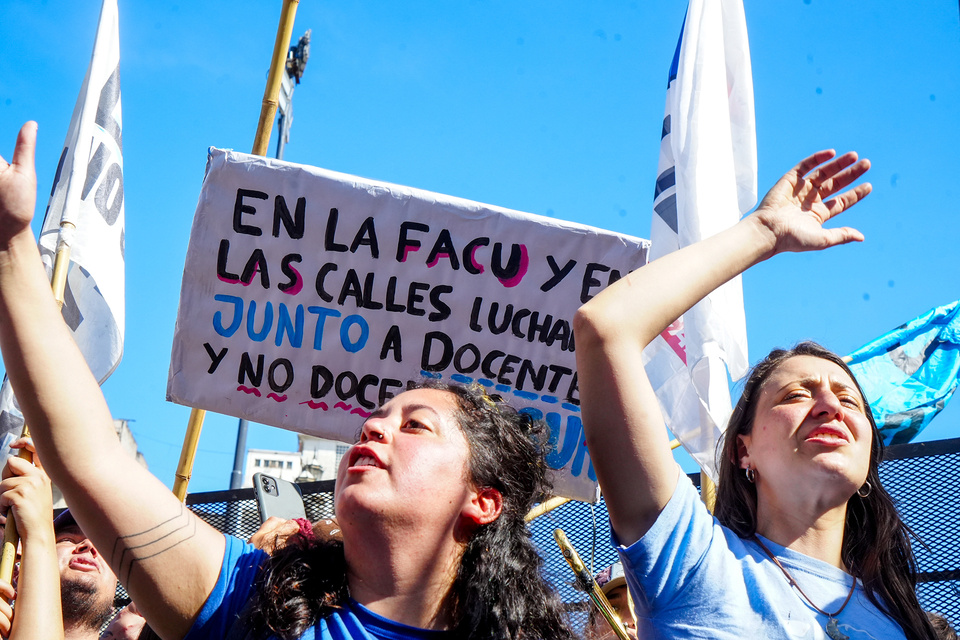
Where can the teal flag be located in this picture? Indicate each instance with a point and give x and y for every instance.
(909, 374)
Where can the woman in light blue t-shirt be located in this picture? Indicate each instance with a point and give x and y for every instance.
(801, 514)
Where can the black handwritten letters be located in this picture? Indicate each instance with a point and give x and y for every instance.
(321, 302)
(331, 303)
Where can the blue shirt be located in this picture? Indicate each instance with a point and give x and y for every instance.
(221, 615)
(693, 578)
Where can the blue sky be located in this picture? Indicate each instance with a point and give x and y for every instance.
(552, 107)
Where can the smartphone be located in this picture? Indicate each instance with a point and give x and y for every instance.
(276, 497)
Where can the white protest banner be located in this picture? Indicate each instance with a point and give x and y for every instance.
(311, 297)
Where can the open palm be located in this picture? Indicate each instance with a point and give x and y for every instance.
(799, 204)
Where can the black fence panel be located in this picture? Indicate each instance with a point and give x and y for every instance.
(235, 511)
(924, 480)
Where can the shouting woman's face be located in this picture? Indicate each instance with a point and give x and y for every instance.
(810, 429)
(411, 462)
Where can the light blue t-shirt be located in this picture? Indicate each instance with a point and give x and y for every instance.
(693, 578)
(221, 615)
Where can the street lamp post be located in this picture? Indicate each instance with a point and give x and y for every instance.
(296, 64)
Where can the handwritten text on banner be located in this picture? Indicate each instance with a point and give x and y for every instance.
(311, 297)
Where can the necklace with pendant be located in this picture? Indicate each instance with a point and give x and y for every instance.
(832, 628)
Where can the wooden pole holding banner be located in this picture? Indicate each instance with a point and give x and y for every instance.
(58, 282)
(546, 506)
(278, 65)
(268, 112)
(188, 453)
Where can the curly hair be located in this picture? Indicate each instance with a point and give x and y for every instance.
(499, 590)
(876, 545)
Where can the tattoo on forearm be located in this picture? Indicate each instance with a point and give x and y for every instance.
(131, 549)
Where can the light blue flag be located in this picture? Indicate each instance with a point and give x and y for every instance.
(909, 374)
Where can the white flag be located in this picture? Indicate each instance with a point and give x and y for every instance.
(88, 191)
(707, 178)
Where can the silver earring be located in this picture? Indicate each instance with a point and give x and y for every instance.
(865, 490)
(751, 474)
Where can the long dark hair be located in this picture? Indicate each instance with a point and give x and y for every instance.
(876, 545)
(499, 590)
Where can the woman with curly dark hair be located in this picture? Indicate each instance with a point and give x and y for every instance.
(806, 543)
(430, 500)
(496, 589)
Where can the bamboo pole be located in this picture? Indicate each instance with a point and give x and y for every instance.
(188, 453)
(546, 506)
(58, 283)
(708, 491)
(268, 111)
(61, 263)
(11, 537)
(586, 582)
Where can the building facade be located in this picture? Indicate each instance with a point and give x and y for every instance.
(316, 459)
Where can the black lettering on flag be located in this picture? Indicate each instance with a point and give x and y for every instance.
(71, 311)
(94, 169)
(109, 99)
(667, 207)
(109, 198)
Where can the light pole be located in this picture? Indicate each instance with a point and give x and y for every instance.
(296, 64)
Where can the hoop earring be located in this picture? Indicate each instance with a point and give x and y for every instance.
(751, 474)
(865, 490)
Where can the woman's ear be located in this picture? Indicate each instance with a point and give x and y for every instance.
(743, 452)
(484, 506)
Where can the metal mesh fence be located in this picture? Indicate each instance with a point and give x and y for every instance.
(922, 478)
(235, 512)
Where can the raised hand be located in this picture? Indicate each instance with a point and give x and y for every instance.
(25, 489)
(7, 593)
(18, 185)
(808, 195)
(274, 533)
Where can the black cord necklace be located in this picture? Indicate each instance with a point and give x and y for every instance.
(832, 629)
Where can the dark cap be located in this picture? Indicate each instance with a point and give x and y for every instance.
(64, 521)
(611, 578)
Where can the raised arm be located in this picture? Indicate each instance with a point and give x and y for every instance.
(624, 426)
(166, 557)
